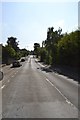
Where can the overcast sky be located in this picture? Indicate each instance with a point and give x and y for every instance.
(28, 22)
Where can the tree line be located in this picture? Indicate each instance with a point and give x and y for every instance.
(11, 51)
(59, 49)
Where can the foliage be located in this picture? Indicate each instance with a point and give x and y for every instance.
(43, 54)
(24, 52)
(63, 49)
(11, 51)
(7, 53)
(36, 49)
(13, 43)
(68, 49)
(50, 43)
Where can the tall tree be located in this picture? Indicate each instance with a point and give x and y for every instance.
(36, 48)
(12, 41)
(52, 38)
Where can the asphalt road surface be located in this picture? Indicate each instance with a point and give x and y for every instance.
(30, 91)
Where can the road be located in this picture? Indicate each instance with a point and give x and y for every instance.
(32, 92)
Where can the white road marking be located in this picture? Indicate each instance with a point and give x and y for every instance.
(2, 86)
(62, 76)
(68, 101)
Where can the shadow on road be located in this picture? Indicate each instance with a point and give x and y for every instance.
(63, 70)
(15, 66)
(46, 69)
(72, 73)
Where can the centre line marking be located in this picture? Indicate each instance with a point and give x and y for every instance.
(60, 93)
(2, 86)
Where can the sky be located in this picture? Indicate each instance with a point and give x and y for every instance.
(29, 21)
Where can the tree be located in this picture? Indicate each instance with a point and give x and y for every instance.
(43, 44)
(24, 52)
(68, 49)
(13, 43)
(8, 53)
(52, 38)
(36, 49)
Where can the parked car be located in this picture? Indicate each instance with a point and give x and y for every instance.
(16, 64)
(22, 60)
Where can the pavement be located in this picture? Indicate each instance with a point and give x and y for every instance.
(31, 91)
